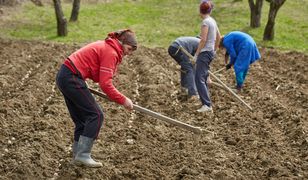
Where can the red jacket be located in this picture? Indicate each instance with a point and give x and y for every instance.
(99, 61)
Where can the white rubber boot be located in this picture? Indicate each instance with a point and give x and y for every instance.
(74, 149)
(83, 156)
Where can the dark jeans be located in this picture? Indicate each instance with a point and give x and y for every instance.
(84, 110)
(187, 70)
(203, 66)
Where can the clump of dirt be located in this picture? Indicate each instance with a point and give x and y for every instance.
(268, 142)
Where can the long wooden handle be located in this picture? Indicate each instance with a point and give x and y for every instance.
(219, 70)
(230, 90)
(223, 84)
(196, 130)
(188, 54)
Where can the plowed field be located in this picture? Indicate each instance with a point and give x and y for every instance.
(270, 142)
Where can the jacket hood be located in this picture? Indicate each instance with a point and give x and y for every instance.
(115, 44)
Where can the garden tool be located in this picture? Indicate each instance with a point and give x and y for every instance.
(180, 124)
(223, 84)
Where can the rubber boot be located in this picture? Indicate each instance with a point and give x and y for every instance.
(74, 148)
(83, 156)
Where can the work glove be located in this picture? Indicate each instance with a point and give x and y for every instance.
(228, 66)
(128, 104)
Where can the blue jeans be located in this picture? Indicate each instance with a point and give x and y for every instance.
(203, 66)
(187, 70)
(84, 110)
(240, 78)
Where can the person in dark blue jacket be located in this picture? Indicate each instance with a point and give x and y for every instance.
(243, 51)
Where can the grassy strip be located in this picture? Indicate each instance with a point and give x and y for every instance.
(158, 22)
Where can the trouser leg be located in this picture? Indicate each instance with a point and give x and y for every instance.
(240, 78)
(76, 117)
(81, 104)
(187, 69)
(202, 68)
(189, 76)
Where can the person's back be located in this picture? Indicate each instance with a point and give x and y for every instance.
(238, 39)
(211, 36)
(89, 58)
(188, 43)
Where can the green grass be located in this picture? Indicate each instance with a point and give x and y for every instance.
(158, 22)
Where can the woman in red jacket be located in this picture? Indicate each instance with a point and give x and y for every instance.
(97, 61)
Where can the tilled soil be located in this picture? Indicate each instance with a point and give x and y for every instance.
(269, 142)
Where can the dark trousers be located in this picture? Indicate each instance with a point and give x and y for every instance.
(84, 110)
(202, 72)
(187, 70)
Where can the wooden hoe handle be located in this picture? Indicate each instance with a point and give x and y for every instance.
(180, 124)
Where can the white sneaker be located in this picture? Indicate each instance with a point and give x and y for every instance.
(205, 108)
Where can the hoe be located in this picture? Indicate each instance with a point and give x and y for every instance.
(180, 124)
(216, 78)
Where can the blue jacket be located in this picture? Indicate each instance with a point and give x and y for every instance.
(242, 49)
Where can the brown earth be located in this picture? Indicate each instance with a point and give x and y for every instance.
(269, 142)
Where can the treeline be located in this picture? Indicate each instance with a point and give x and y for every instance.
(255, 14)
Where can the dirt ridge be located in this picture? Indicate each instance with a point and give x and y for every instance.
(268, 143)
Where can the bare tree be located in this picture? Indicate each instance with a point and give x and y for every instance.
(255, 12)
(269, 31)
(75, 11)
(61, 20)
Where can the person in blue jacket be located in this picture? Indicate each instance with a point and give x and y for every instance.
(243, 51)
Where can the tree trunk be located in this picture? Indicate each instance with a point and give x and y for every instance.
(75, 11)
(269, 31)
(255, 13)
(61, 20)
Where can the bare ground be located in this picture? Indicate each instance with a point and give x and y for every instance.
(269, 142)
